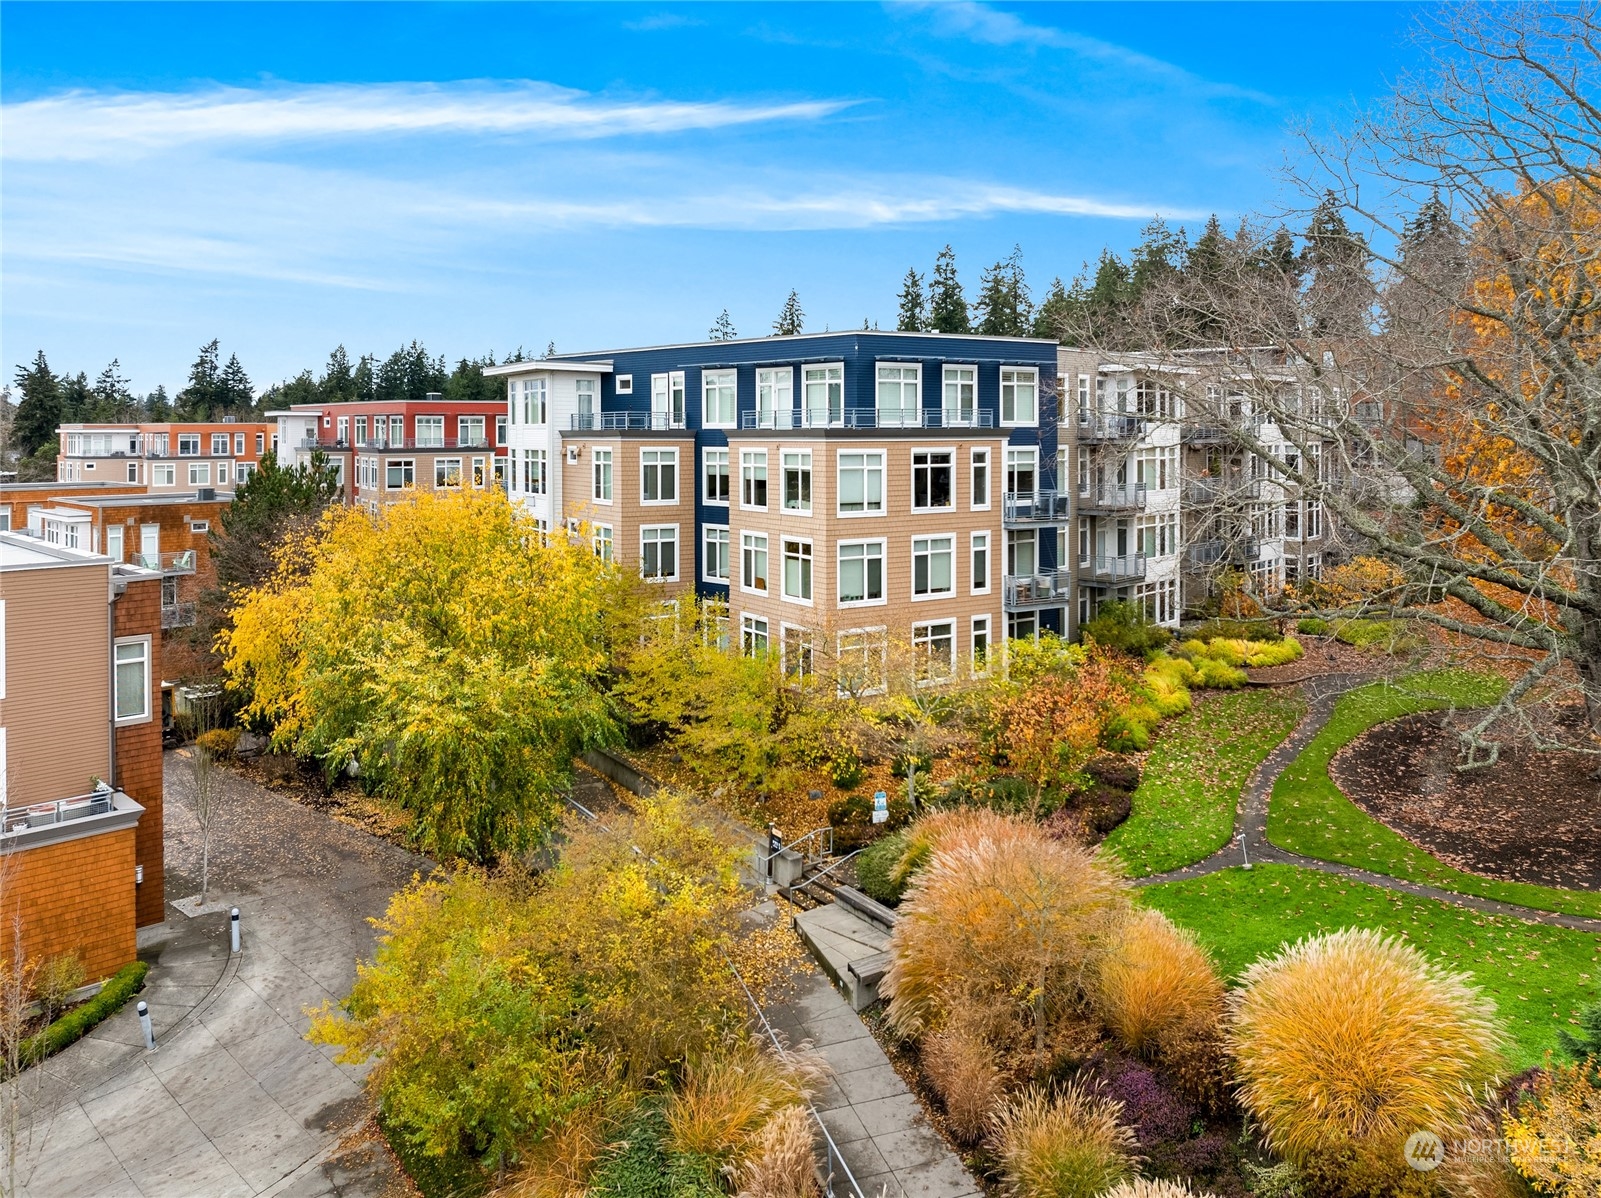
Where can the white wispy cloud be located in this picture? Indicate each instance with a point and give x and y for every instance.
(97, 125)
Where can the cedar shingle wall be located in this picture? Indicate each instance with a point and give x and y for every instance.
(77, 896)
(139, 761)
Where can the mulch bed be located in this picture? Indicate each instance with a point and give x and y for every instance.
(1535, 816)
(1325, 655)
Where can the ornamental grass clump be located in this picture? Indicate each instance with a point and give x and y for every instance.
(1155, 983)
(1066, 1145)
(1009, 919)
(728, 1097)
(1142, 1187)
(960, 1064)
(781, 1164)
(1347, 1043)
(958, 825)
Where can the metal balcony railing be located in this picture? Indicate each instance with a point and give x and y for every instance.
(1128, 567)
(1049, 589)
(1109, 426)
(384, 444)
(181, 562)
(1034, 507)
(177, 615)
(1217, 549)
(624, 422)
(1124, 497)
(1213, 490)
(867, 418)
(1206, 434)
(38, 815)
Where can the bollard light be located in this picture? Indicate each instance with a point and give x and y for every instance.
(144, 1024)
(233, 929)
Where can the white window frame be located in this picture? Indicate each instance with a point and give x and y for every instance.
(192, 442)
(832, 381)
(164, 474)
(882, 545)
(748, 633)
(436, 432)
(219, 441)
(625, 384)
(934, 595)
(199, 474)
(144, 715)
(803, 466)
(749, 461)
(747, 545)
(978, 459)
(905, 417)
(875, 640)
(949, 451)
(988, 625)
(603, 541)
(667, 400)
(602, 474)
(677, 555)
(775, 396)
(442, 468)
(715, 381)
(979, 543)
(1019, 373)
(807, 644)
(403, 465)
(866, 468)
(952, 414)
(716, 455)
(922, 631)
(662, 458)
(716, 535)
(806, 558)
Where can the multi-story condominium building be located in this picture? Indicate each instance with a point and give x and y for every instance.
(80, 751)
(840, 492)
(381, 449)
(163, 457)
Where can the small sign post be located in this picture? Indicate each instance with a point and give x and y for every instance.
(880, 807)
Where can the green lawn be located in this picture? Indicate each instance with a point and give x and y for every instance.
(1538, 976)
(1190, 788)
(1309, 814)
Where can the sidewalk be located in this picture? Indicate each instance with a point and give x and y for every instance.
(234, 1101)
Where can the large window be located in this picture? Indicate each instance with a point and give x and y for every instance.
(861, 483)
(1020, 471)
(667, 400)
(862, 661)
(753, 561)
(897, 395)
(163, 474)
(980, 580)
(861, 572)
(584, 393)
(934, 651)
(361, 431)
(397, 431)
(961, 394)
(536, 471)
(219, 441)
(798, 570)
(824, 394)
(775, 397)
(753, 637)
(658, 475)
(469, 431)
(447, 472)
(400, 472)
(132, 697)
(932, 488)
(980, 461)
(1019, 396)
(500, 430)
(1021, 551)
(188, 444)
(658, 552)
(753, 478)
(714, 472)
(798, 480)
(430, 432)
(714, 563)
(603, 475)
(719, 405)
(199, 474)
(933, 567)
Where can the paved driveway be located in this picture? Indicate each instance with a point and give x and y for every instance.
(234, 1101)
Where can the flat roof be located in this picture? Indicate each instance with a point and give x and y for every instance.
(19, 552)
(90, 484)
(148, 500)
(548, 364)
(783, 338)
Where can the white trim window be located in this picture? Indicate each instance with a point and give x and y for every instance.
(113, 540)
(714, 553)
(163, 474)
(861, 483)
(981, 646)
(1020, 390)
(861, 573)
(753, 636)
(238, 445)
(753, 479)
(658, 552)
(775, 397)
(625, 384)
(1022, 471)
(658, 476)
(400, 472)
(719, 398)
(222, 473)
(189, 444)
(447, 473)
(714, 476)
(133, 472)
(753, 562)
(933, 480)
(536, 471)
(219, 441)
(469, 431)
(797, 570)
(199, 474)
(933, 567)
(797, 481)
(431, 432)
(1084, 399)
(601, 476)
(131, 692)
(961, 395)
(979, 578)
(605, 547)
(934, 651)
(979, 477)
(585, 393)
(667, 400)
(797, 651)
(500, 430)
(862, 661)
(897, 394)
(1022, 552)
(823, 394)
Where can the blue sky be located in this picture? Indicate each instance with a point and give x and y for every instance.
(288, 177)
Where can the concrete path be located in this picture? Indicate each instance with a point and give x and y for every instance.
(1250, 842)
(879, 1126)
(234, 1101)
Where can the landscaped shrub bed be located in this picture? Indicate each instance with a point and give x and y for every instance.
(83, 1018)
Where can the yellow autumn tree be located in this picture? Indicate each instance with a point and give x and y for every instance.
(447, 649)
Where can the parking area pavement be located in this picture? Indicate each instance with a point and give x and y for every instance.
(234, 1101)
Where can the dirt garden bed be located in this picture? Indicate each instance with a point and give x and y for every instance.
(1534, 817)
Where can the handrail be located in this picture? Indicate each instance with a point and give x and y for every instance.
(823, 873)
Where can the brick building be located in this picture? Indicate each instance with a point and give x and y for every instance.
(80, 751)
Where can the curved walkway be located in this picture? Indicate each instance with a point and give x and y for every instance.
(1250, 845)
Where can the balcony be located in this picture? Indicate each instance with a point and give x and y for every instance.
(624, 422)
(1214, 490)
(1052, 589)
(1110, 571)
(41, 815)
(1124, 497)
(1210, 553)
(1206, 434)
(385, 444)
(30, 825)
(1101, 427)
(866, 418)
(1034, 507)
(182, 562)
(177, 615)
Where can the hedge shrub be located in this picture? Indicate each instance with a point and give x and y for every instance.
(79, 1021)
(1312, 626)
(875, 869)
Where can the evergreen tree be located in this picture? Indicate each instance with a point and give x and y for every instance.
(158, 407)
(1055, 312)
(409, 374)
(199, 400)
(947, 306)
(722, 328)
(366, 378)
(1281, 256)
(1431, 272)
(468, 383)
(550, 351)
(302, 389)
(112, 401)
(338, 382)
(1207, 260)
(1157, 259)
(77, 400)
(1003, 307)
(913, 311)
(38, 412)
(235, 392)
(1339, 291)
(790, 317)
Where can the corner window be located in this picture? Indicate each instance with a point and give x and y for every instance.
(1019, 392)
(798, 481)
(861, 573)
(932, 488)
(714, 472)
(861, 483)
(658, 553)
(131, 699)
(658, 475)
(718, 398)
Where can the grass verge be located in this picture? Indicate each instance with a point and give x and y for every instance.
(78, 1022)
(1539, 976)
(1190, 785)
(1311, 816)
